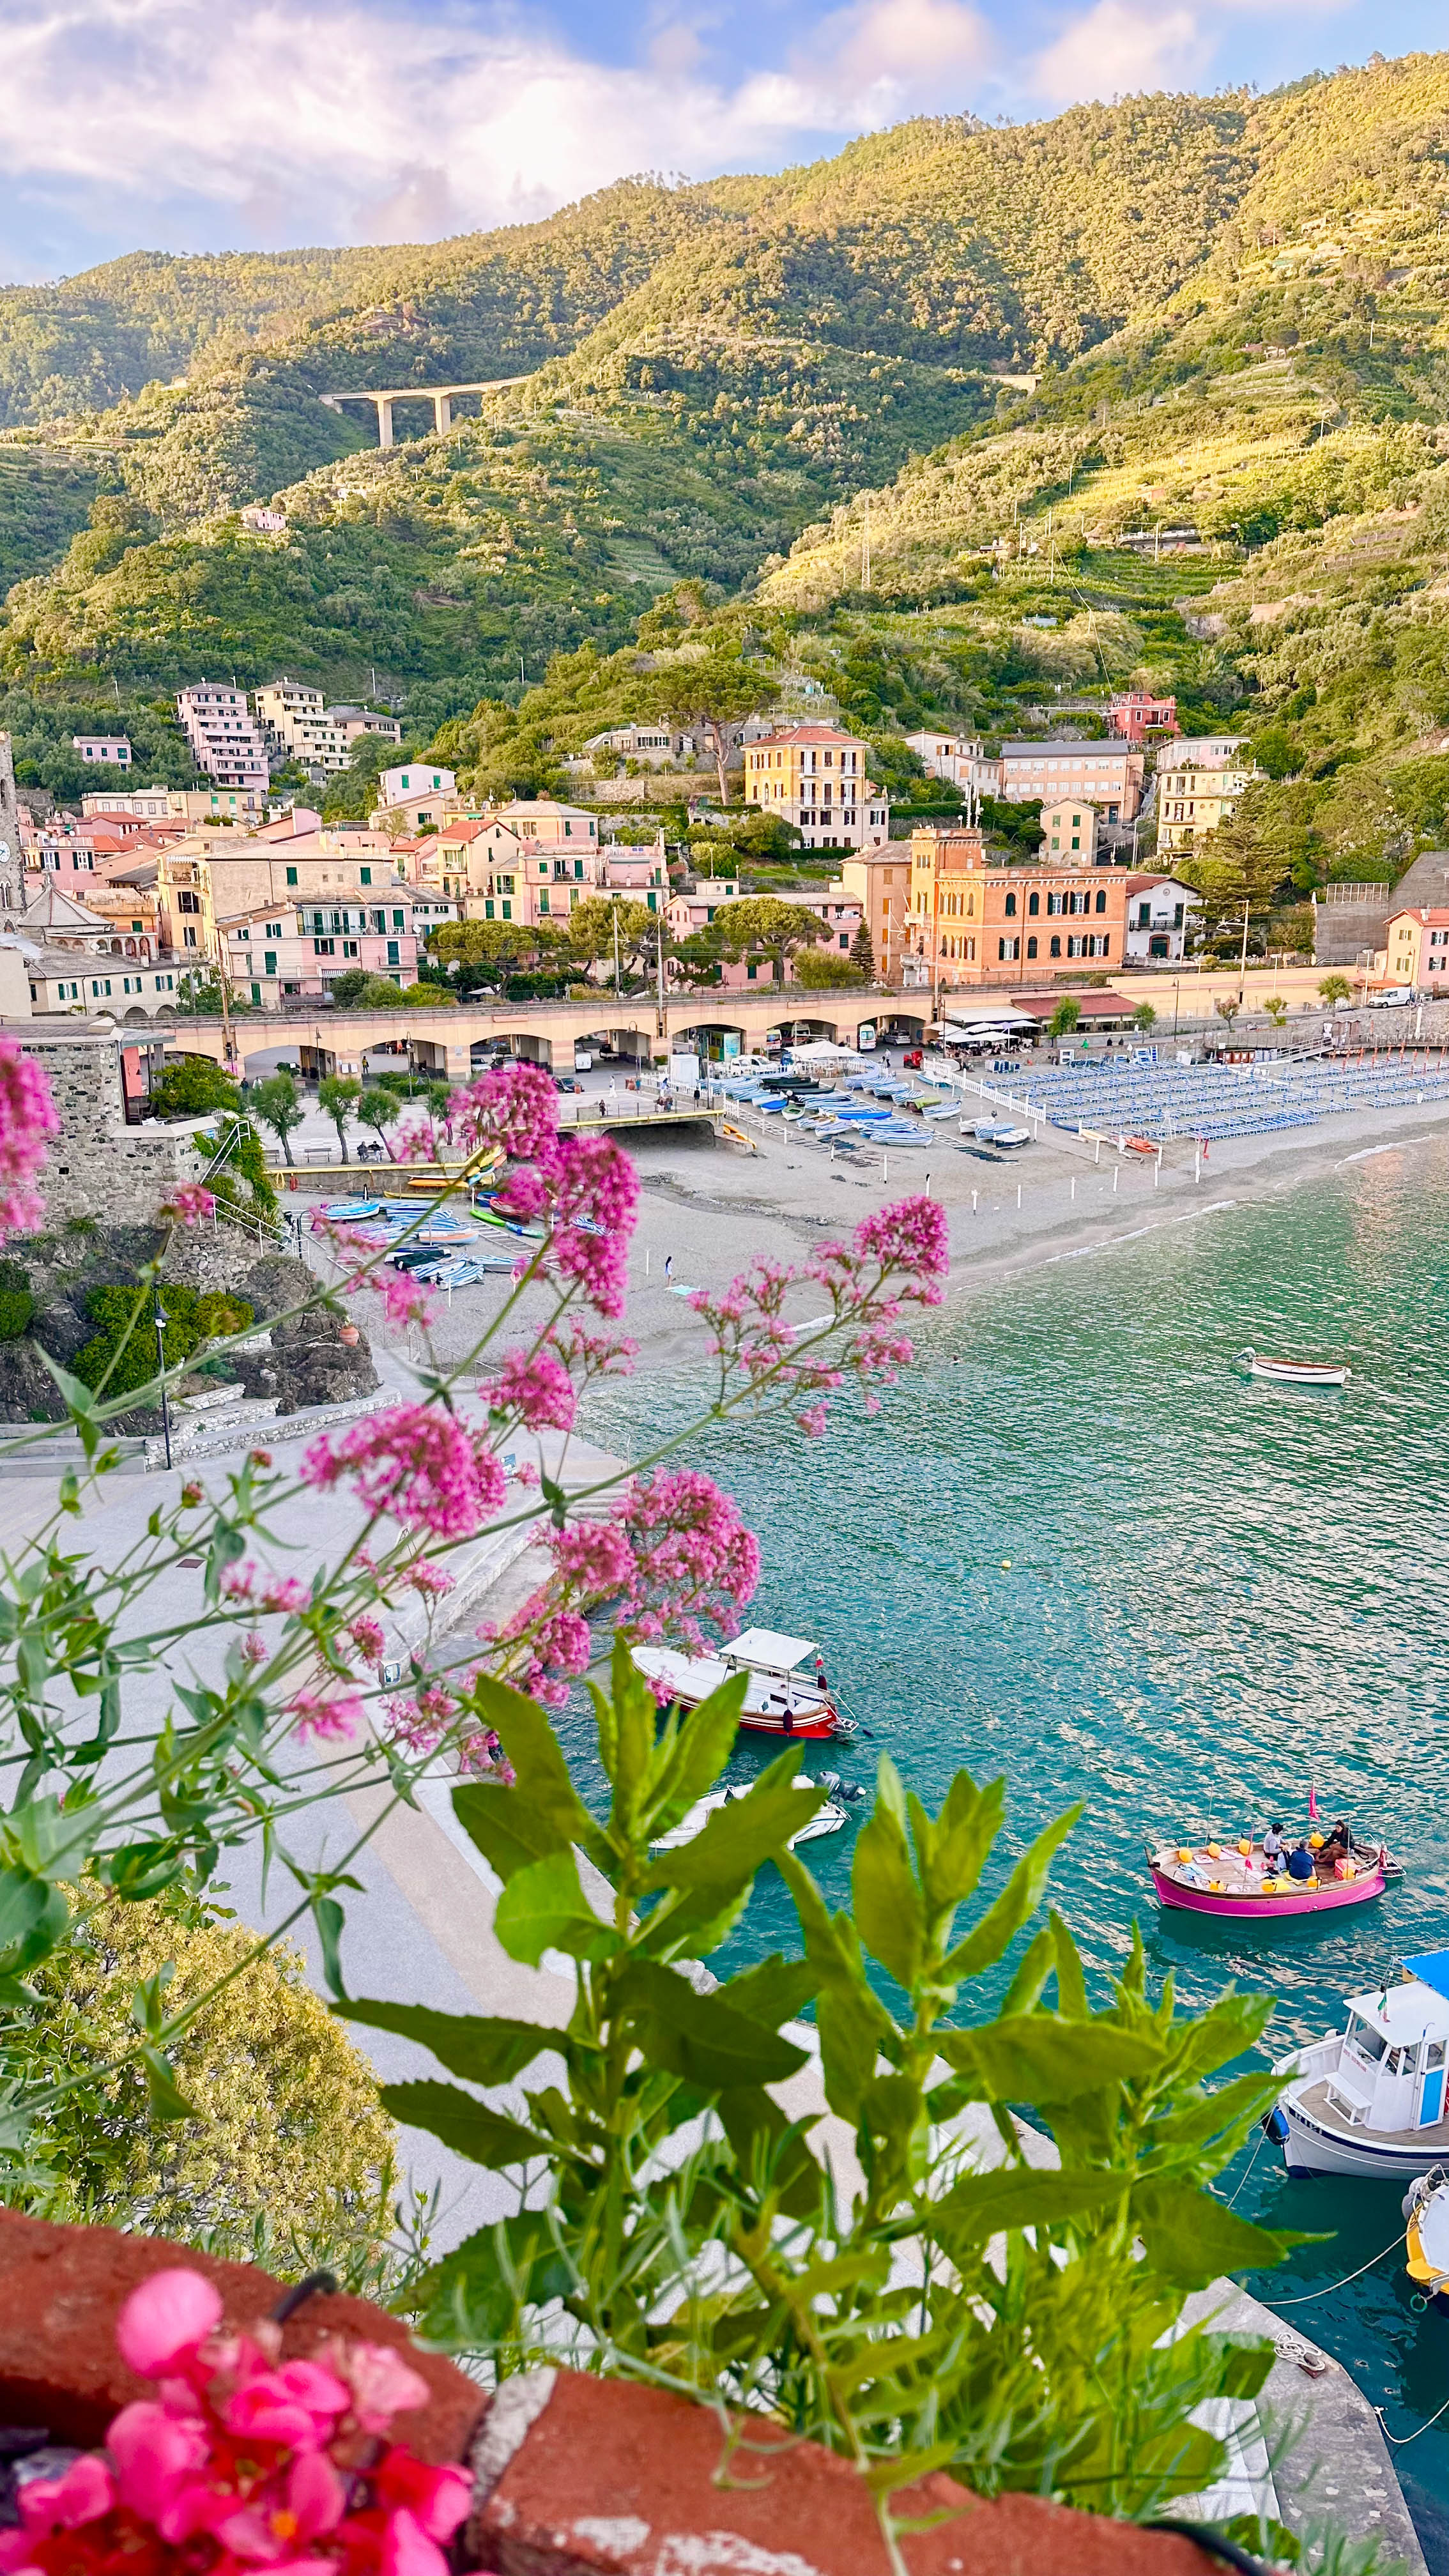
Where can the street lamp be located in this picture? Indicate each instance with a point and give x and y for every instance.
(162, 1319)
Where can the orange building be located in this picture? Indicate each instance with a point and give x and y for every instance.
(975, 920)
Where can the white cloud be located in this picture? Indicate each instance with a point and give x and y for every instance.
(1117, 48)
(332, 121)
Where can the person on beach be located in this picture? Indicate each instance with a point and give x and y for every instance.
(668, 1268)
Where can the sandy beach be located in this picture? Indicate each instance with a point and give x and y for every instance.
(708, 1209)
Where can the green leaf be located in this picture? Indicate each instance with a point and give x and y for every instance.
(979, 2205)
(166, 2100)
(543, 1907)
(700, 2037)
(33, 1918)
(1193, 2237)
(1018, 1900)
(1039, 2057)
(330, 1919)
(481, 2049)
(503, 1827)
(733, 1841)
(1032, 1971)
(890, 1914)
(474, 2296)
(50, 1839)
(774, 1991)
(1071, 1984)
(468, 2127)
(954, 1854)
(702, 1745)
(542, 1782)
(140, 1870)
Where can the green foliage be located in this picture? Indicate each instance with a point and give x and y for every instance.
(356, 985)
(282, 2119)
(820, 970)
(883, 2321)
(1065, 1018)
(17, 1305)
(190, 1085)
(338, 1095)
(274, 1102)
(765, 923)
(378, 1109)
(121, 1355)
(1144, 1017)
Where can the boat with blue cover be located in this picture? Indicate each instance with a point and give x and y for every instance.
(1370, 2099)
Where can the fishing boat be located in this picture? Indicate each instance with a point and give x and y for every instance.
(827, 1819)
(1426, 2235)
(1369, 2100)
(778, 1701)
(1293, 1372)
(1232, 1878)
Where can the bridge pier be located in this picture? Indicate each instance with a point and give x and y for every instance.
(442, 414)
(384, 419)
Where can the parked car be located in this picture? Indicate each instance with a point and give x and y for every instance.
(566, 1082)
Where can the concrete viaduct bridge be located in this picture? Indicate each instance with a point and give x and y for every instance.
(441, 397)
(452, 1044)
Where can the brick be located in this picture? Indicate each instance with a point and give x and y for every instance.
(589, 2477)
(62, 2287)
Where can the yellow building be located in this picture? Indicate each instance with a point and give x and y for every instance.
(814, 776)
(880, 881)
(1192, 802)
(1417, 953)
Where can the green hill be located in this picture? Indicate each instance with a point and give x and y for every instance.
(1010, 348)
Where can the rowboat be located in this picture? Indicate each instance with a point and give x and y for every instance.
(1369, 2099)
(777, 1700)
(827, 1819)
(1293, 1372)
(1224, 1879)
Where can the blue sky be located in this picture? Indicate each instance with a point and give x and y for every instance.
(259, 124)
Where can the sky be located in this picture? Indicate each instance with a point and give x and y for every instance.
(205, 125)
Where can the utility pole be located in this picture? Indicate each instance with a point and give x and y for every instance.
(618, 981)
(1243, 962)
(865, 548)
(663, 1013)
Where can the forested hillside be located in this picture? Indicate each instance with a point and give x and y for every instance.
(996, 353)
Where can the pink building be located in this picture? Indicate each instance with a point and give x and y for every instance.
(834, 906)
(217, 722)
(282, 951)
(1138, 717)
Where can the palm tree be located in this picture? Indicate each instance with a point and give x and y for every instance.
(336, 1093)
(275, 1103)
(1144, 1017)
(379, 1110)
(1335, 988)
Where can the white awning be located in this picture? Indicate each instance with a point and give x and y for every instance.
(765, 1650)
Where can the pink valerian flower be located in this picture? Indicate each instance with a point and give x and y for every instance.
(190, 1204)
(417, 1144)
(405, 1300)
(430, 1582)
(325, 1715)
(244, 2461)
(367, 1637)
(28, 1116)
(416, 1462)
(254, 1648)
(536, 1387)
(898, 1257)
(282, 1594)
(514, 1107)
(673, 1558)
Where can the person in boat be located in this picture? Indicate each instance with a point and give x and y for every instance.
(1337, 1845)
(1301, 1862)
(1273, 1847)
(821, 1683)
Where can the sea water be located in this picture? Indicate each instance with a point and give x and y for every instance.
(1080, 1547)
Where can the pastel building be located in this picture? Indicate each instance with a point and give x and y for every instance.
(835, 906)
(110, 750)
(279, 952)
(1159, 920)
(1191, 803)
(976, 921)
(814, 776)
(880, 881)
(217, 722)
(1069, 831)
(1140, 717)
(1107, 775)
(961, 761)
(1417, 950)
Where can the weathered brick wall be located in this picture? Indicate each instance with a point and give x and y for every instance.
(98, 1166)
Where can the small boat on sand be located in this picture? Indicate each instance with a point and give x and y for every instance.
(827, 1819)
(1232, 1879)
(778, 1699)
(1369, 2099)
(1293, 1372)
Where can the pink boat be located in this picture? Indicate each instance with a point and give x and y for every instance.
(1222, 1879)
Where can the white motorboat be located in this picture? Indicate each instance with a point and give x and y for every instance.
(1370, 2100)
(1426, 2234)
(1293, 1372)
(777, 1700)
(827, 1819)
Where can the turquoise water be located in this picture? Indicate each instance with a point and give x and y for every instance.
(1081, 1549)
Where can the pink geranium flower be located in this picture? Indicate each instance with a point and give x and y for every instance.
(165, 2321)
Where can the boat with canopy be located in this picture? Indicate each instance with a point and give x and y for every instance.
(1369, 2100)
(779, 1700)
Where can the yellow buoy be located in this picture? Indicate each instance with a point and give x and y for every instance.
(1246, 1849)
(1213, 1852)
(1006, 1565)
(1315, 1842)
(1183, 1852)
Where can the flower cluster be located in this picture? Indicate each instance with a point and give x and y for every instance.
(325, 1715)
(242, 2461)
(416, 1462)
(27, 1117)
(533, 1388)
(259, 1590)
(672, 1556)
(190, 1204)
(433, 1713)
(899, 1257)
